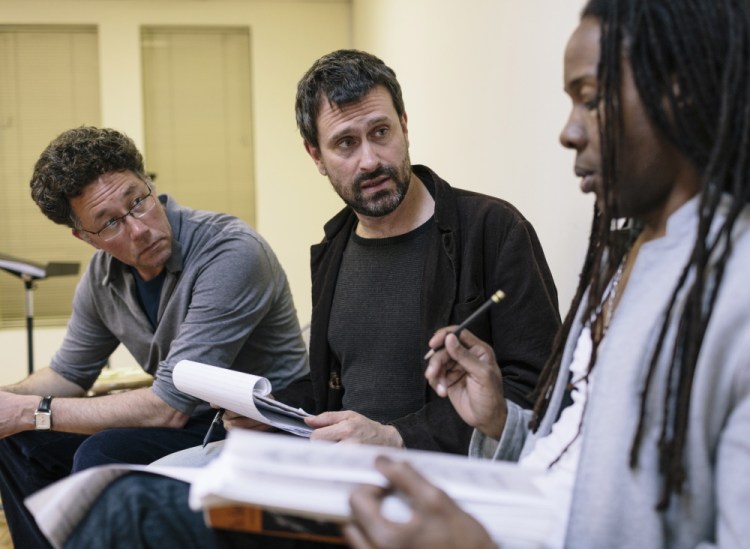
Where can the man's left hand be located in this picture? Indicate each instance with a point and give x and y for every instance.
(16, 413)
(352, 427)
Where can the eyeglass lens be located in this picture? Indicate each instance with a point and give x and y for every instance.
(139, 209)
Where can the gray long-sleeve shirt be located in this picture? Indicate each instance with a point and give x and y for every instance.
(614, 505)
(225, 301)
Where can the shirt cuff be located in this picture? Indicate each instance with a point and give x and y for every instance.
(511, 442)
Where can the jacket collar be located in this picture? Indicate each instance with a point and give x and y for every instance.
(446, 215)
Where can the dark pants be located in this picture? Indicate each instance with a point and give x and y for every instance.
(140, 511)
(31, 460)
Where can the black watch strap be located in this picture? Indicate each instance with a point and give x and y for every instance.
(45, 405)
(43, 415)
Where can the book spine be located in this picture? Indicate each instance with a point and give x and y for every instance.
(253, 519)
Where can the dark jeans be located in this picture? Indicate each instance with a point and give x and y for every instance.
(140, 511)
(31, 460)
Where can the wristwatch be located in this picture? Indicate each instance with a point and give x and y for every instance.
(43, 415)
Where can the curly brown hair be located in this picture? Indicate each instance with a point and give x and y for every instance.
(75, 159)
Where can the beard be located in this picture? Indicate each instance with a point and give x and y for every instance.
(382, 202)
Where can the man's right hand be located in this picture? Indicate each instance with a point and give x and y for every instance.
(436, 522)
(470, 377)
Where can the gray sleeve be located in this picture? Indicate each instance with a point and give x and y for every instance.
(733, 451)
(511, 442)
(232, 292)
(88, 343)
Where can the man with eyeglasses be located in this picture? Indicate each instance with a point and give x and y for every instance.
(168, 283)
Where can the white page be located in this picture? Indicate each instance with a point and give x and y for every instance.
(247, 451)
(235, 391)
(315, 479)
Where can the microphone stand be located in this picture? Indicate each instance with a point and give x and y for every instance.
(29, 272)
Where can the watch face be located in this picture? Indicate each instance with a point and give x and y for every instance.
(42, 421)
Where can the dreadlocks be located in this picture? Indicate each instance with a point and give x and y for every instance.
(690, 62)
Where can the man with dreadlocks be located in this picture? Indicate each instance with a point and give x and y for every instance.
(654, 449)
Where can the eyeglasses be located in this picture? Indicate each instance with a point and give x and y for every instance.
(112, 229)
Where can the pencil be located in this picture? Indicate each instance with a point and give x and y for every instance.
(214, 423)
(494, 298)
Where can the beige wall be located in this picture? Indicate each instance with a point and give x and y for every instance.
(482, 82)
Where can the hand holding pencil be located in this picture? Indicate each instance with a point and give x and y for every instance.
(494, 298)
(467, 373)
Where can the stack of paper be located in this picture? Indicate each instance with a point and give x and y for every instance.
(315, 479)
(240, 392)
